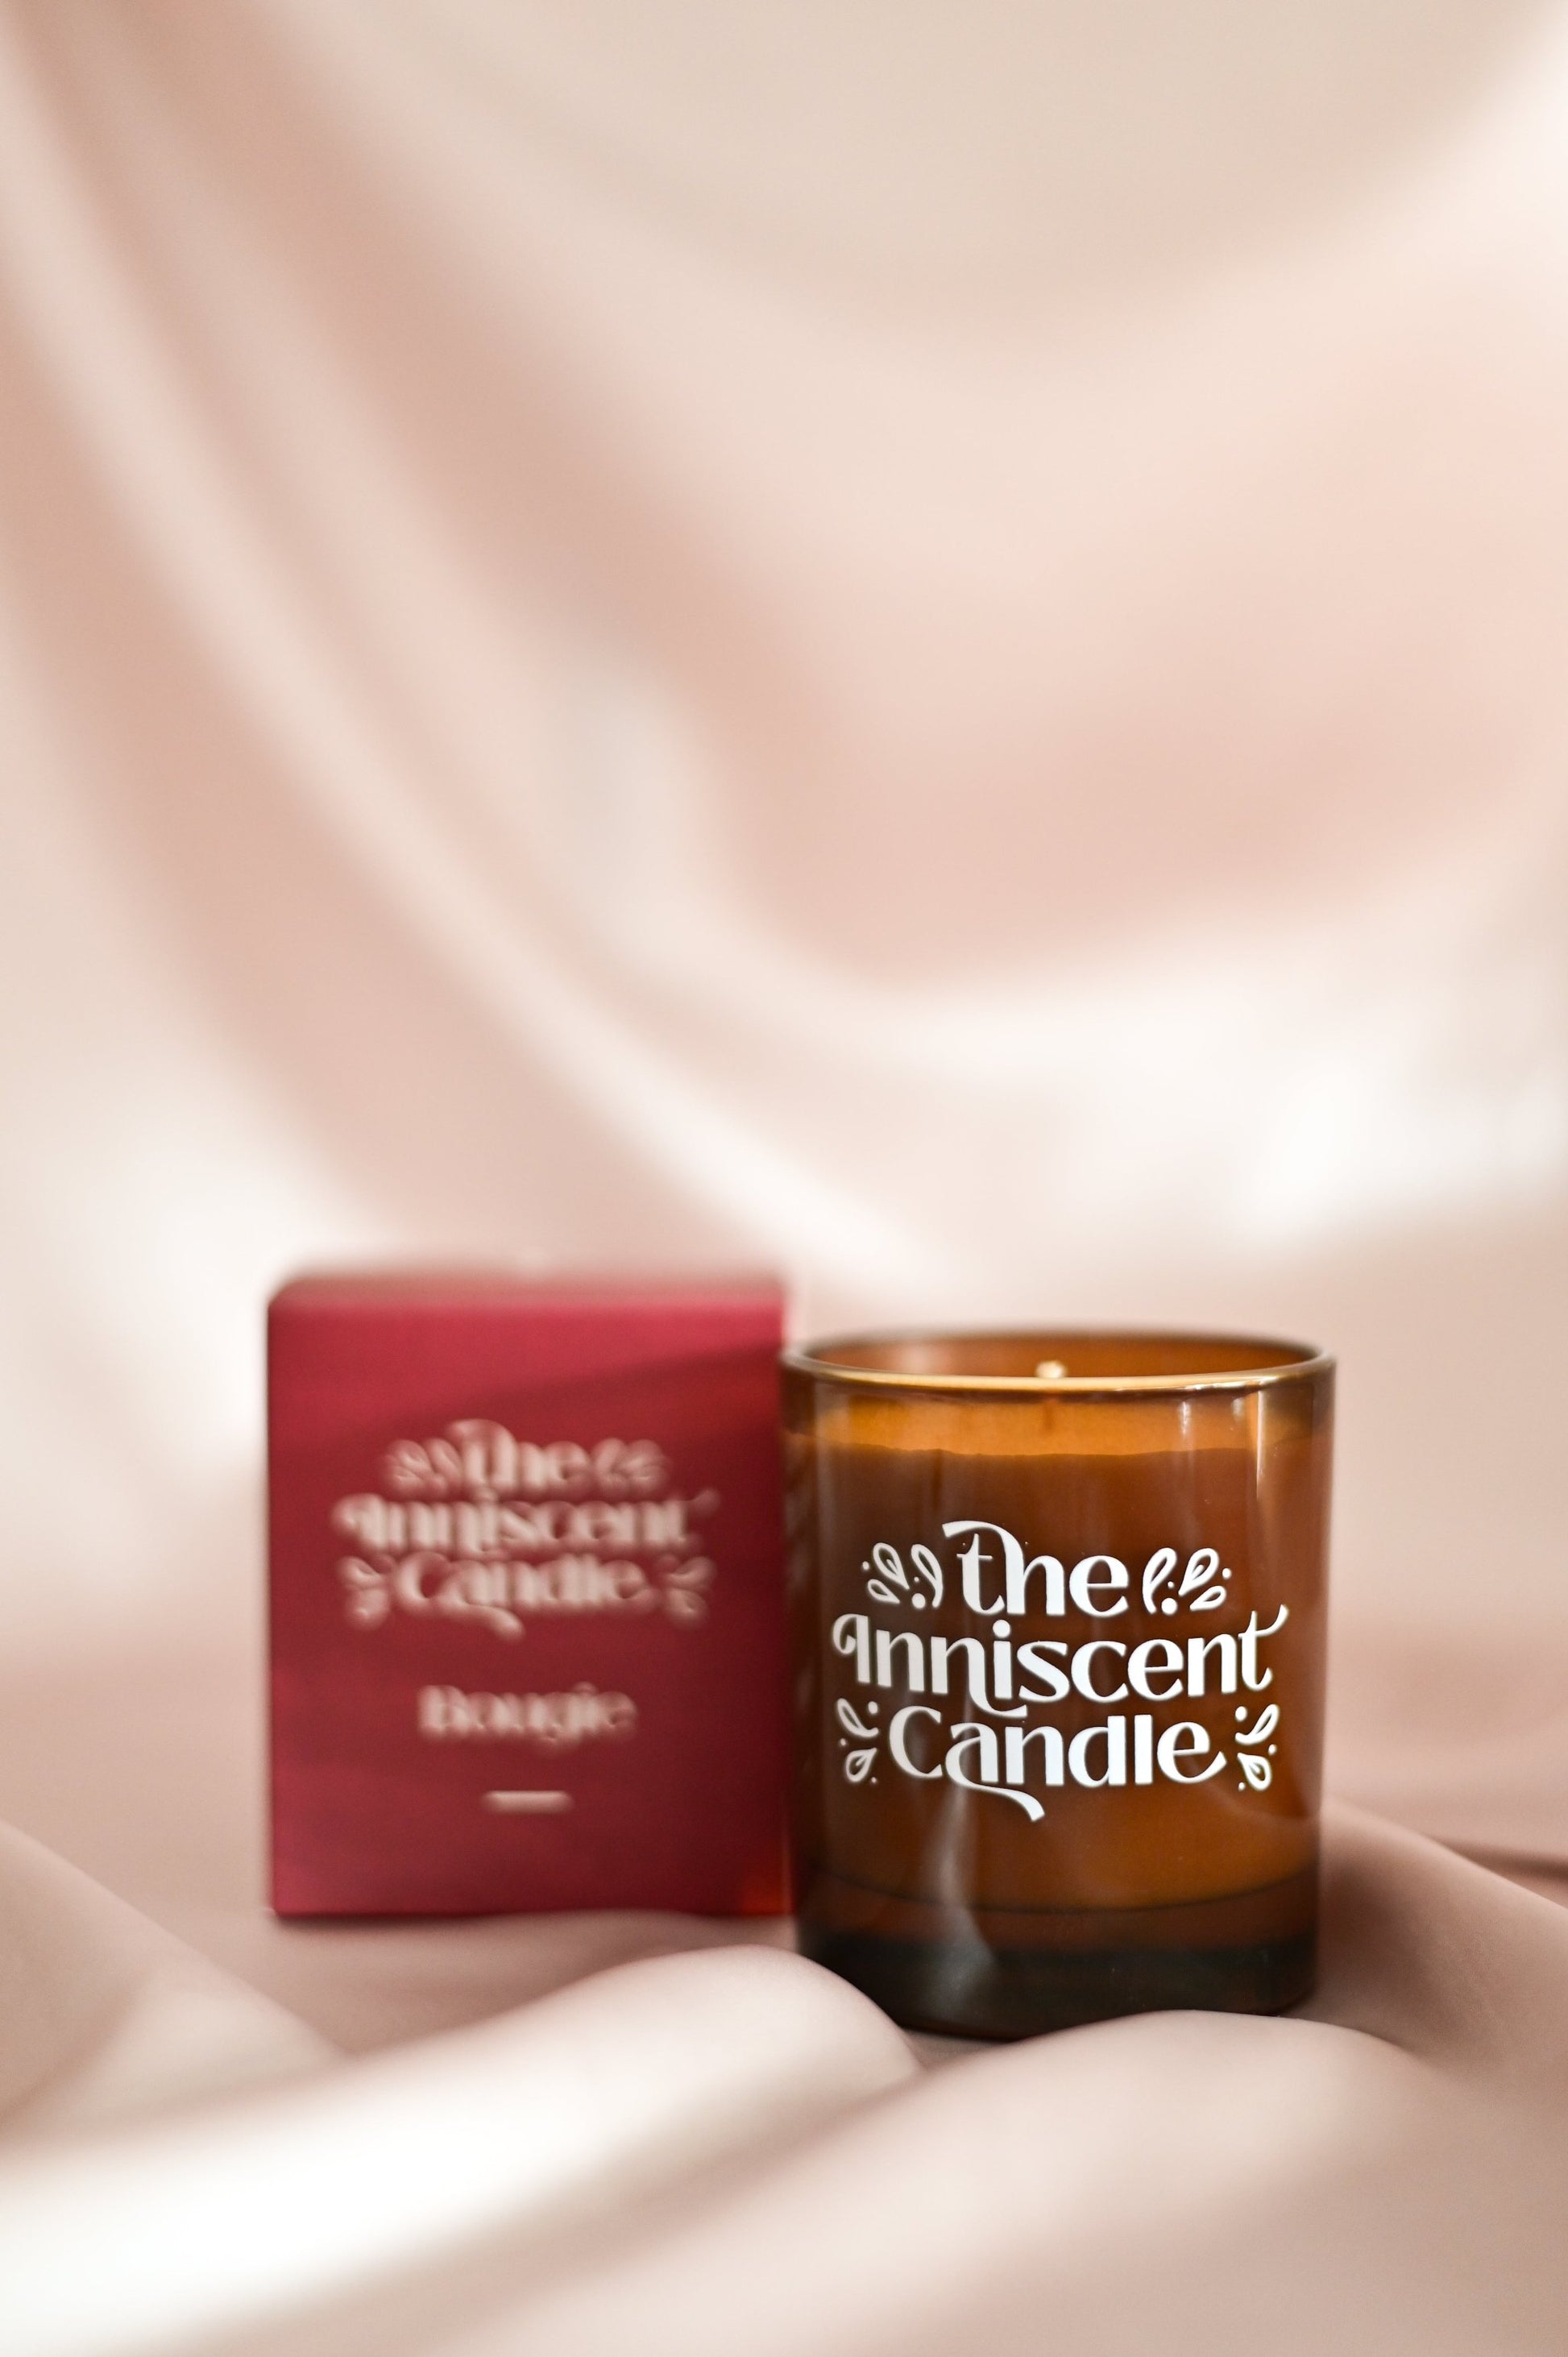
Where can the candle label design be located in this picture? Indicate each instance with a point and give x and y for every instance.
(480, 1526)
(934, 1706)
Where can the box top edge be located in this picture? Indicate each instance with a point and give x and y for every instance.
(475, 1287)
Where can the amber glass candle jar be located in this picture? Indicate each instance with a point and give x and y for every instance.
(1058, 1610)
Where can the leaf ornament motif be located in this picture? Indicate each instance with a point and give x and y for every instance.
(1201, 1566)
(1157, 1570)
(931, 1571)
(1264, 1729)
(890, 1563)
(1258, 1770)
(850, 1720)
(1210, 1600)
(684, 1584)
(858, 1764)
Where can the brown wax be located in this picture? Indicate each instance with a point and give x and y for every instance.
(1060, 1676)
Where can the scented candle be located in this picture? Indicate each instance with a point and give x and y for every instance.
(1059, 1605)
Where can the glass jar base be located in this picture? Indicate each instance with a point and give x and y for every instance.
(1256, 1953)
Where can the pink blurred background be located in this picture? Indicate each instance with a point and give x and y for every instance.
(927, 645)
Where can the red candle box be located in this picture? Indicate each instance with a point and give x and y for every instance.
(527, 1595)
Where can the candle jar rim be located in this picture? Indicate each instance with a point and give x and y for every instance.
(909, 1360)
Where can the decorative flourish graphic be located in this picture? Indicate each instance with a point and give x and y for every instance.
(894, 1586)
(858, 1765)
(1201, 1566)
(1257, 1768)
(686, 1586)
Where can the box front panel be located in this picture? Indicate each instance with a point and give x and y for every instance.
(527, 1634)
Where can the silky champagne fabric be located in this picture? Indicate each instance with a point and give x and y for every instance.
(924, 645)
